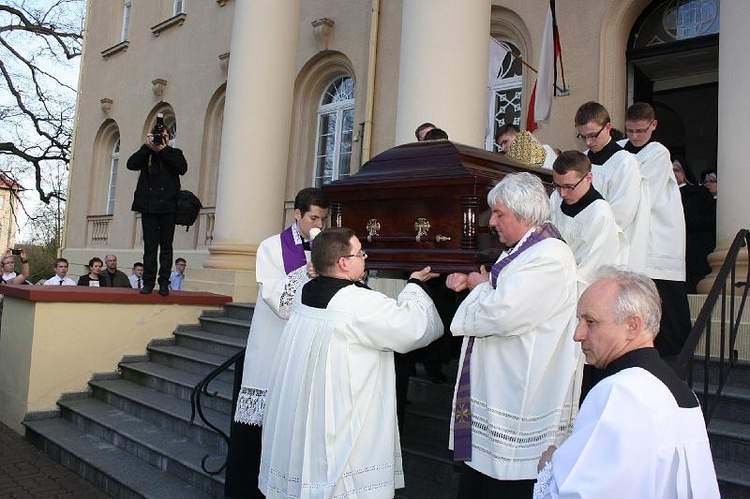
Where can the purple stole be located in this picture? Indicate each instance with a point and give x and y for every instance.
(292, 253)
(462, 416)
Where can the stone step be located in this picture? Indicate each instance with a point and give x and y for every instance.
(162, 449)
(239, 311)
(739, 375)
(734, 479)
(730, 441)
(167, 412)
(111, 469)
(189, 360)
(177, 383)
(196, 338)
(225, 325)
(733, 404)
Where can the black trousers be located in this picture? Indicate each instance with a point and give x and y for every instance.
(243, 461)
(675, 323)
(476, 485)
(158, 234)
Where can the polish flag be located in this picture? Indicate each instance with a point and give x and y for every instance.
(546, 81)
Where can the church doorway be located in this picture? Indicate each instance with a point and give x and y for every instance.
(673, 63)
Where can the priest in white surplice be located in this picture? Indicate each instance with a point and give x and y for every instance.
(330, 426)
(281, 269)
(665, 259)
(618, 178)
(518, 386)
(583, 217)
(640, 432)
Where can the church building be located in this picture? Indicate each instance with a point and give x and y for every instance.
(266, 98)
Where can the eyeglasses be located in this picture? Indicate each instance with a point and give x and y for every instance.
(638, 131)
(568, 187)
(592, 136)
(362, 254)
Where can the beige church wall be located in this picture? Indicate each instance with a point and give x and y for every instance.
(187, 57)
(47, 349)
(594, 37)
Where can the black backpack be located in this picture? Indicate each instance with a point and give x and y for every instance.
(188, 207)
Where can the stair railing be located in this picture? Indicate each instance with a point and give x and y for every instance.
(201, 389)
(716, 368)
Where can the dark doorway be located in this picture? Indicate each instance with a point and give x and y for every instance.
(673, 63)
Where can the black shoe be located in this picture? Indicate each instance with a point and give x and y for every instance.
(146, 290)
(164, 290)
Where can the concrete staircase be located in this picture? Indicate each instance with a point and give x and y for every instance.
(729, 431)
(130, 434)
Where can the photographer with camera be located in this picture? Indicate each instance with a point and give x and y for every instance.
(9, 265)
(160, 166)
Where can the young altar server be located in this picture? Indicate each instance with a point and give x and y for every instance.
(640, 431)
(665, 257)
(330, 428)
(519, 382)
(583, 217)
(617, 177)
(281, 269)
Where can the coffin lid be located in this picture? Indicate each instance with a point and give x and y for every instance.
(433, 160)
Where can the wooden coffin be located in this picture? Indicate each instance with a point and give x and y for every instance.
(424, 203)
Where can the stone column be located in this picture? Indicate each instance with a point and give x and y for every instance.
(734, 108)
(256, 131)
(443, 68)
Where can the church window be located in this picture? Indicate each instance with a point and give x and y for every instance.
(506, 106)
(125, 19)
(114, 161)
(333, 152)
(672, 21)
(179, 7)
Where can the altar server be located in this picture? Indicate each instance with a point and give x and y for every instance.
(617, 177)
(640, 431)
(330, 427)
(665, 257)
(583, 217)
(518, 386)
(281, 269)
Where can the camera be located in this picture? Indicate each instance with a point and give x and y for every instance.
(158, 130)
(15, 251)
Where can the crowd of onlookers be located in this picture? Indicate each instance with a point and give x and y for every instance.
(100, 273)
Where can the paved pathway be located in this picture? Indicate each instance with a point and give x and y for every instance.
(27, 473)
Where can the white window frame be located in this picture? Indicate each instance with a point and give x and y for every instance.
(178, 7)
(501, 84)
(126, 9)
(336, 108)
(114, 163)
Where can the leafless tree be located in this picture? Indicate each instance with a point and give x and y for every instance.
(39, 42)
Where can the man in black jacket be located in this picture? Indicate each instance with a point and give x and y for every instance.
(160, 166)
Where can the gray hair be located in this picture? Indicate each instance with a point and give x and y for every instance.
(524, 196)
(636, 295)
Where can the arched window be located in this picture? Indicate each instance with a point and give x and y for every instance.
(508, 93)
(114, 160)
(333, 151)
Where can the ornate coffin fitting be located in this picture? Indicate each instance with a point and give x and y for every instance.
(424, 203)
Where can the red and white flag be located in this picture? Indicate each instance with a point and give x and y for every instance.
(546, 81)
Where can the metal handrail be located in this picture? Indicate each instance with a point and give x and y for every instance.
(196, 407)
(717, 369)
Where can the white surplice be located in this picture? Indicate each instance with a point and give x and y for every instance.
(276, 290)
(665, 258)
(525, 366)
(330, 428)
(592, 234)
(632, 441)
(620, 182)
